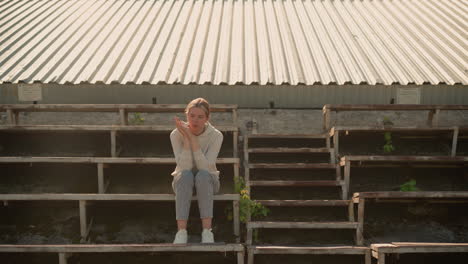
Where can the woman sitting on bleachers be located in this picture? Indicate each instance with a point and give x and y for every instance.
(196, 144)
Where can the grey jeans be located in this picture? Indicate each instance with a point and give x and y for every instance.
(206, 186)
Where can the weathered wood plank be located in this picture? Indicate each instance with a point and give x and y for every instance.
(295, 183)
(389, 107)
(105, 197)
(288, 136)
(304, 202)
(108, 160)
(412, 195)
(326, 250)
(402, 248)
(128, 128)
(391, 128)
(77, 248)
(110, 107)
(292, 166)
(431, 159)
(290, 150)
(304, 225)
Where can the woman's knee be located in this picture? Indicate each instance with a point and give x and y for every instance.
(203, 177)
(185, 179)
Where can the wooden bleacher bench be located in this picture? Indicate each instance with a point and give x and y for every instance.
(83, 199)
(379, 251)
(417, 161)
(13, 110)
(123, 109)
(64, 251)
(103, 161)
(337, 130)
(326, 250)
(360, 199)
(432, 119)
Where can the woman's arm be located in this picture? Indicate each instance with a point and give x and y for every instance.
(207, 162)
(181, 148)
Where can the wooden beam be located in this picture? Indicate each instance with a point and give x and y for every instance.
(360, 227)
(289, 150)
(236, 172)
(292, 166)
(391, 128)
(389, 107)
(100, 168)
(246, 164)
(83, 221)
(250, 256)
(435, 118)
(351, 211)
(117, 160)
(296, 183)
(11, 117)
(62, 258)
(235, 137)
(298, 203)
(454, 142)
(303, 225)
(106, 248)
(130, 128)
(303, 250)
(288, 136)
(412, 195)
(240, 257)
(249, 235)
(368, 257)
(381, 258)
(236, 220)
(123, 117)
(106, 197)
(432, 159)
(347, 180)
(113, 136)
(326, 118)
(336, 146)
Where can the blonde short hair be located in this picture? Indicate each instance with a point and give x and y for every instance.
(200, 103)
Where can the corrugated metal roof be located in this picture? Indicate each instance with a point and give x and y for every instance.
(234, 41)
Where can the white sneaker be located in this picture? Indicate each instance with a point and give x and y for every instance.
(207, 236)
(181, 237)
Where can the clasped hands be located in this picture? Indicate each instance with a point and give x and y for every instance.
(190, 140)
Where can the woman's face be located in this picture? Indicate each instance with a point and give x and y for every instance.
(196, 119)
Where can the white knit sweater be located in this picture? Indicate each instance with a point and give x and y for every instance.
(205, 158)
